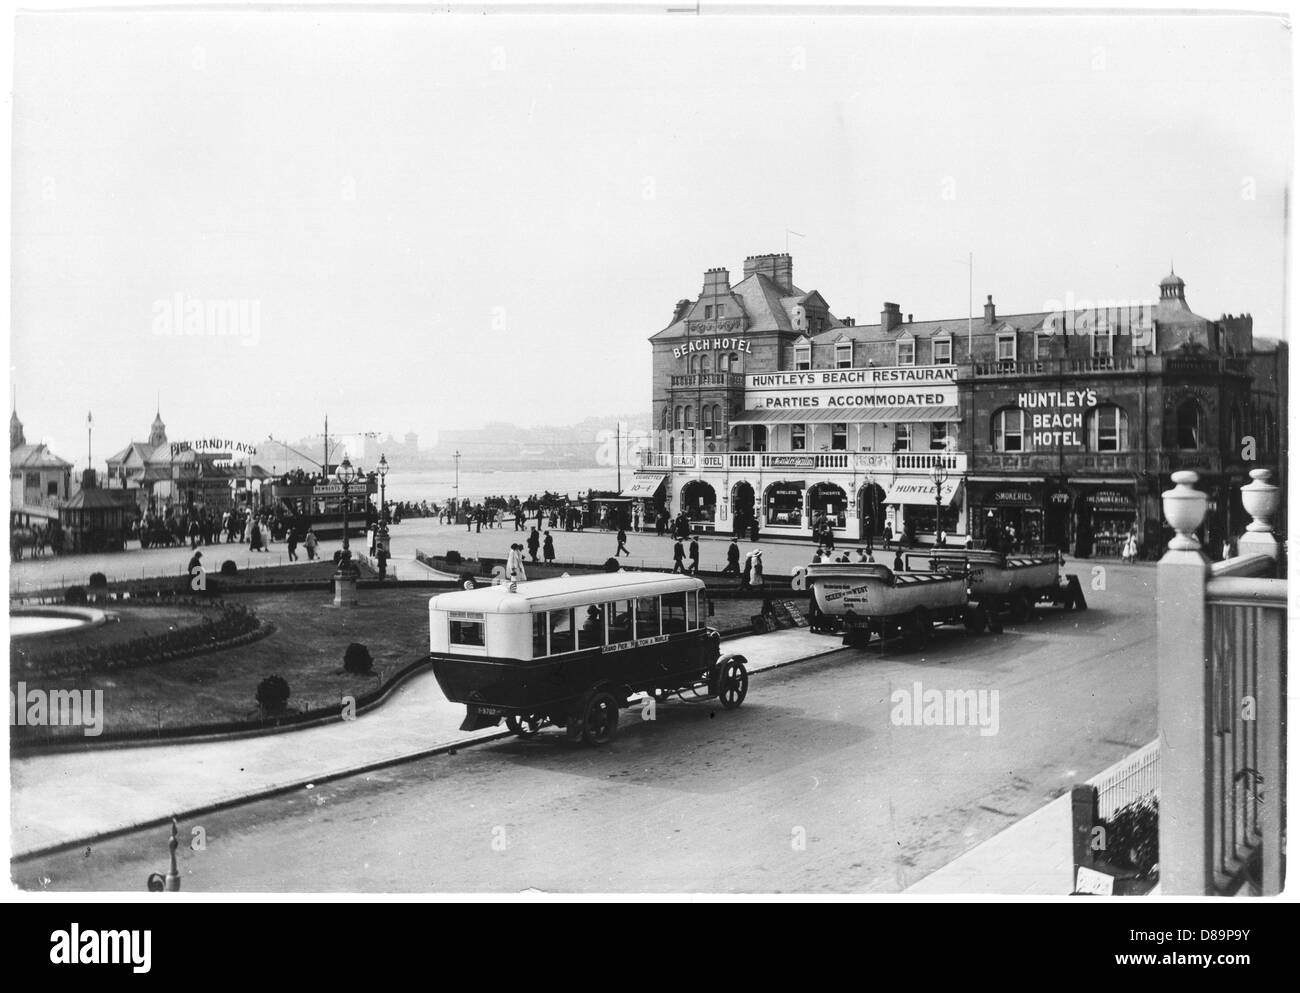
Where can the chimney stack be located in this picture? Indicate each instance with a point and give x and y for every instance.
(717, 282)
(890, 317)
(990, 314)
(778, 268)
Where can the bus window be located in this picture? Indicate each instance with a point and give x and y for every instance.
(561, 631)
(692, 610)
(539, 636)
(592, 632)
(674, 611)
(468, 633)
(647, 617)
(619, 615)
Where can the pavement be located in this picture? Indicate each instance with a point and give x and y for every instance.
(1033, 857)
(66, 797)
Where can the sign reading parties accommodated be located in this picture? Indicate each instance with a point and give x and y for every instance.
(853, 389)
(1054, 418)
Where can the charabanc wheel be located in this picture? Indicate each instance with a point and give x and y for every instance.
(599, 718)
(917, 631)
(1021, 607)
(733, 683)
(524, 725)
(468, 582)
(976, 619)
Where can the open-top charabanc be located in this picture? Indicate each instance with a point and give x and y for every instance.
(1001, 582)
(868, 598)
(571, 651)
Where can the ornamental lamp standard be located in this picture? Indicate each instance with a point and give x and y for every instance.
(383, 512)
(345, 577)
(938, 476)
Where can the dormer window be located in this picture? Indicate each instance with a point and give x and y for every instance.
(1042, 346)
(844, 355)
(708, 311)
(905, 351)
(942, 351)
(803, 354)
(1007, 347)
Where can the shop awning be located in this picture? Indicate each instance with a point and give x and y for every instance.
(921, 491)
(644, 486)
(842, 415)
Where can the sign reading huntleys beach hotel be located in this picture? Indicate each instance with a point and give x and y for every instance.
(853, 389)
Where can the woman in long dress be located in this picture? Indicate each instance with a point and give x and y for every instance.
(255, 538)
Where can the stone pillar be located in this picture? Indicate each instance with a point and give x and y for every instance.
(1183, 697)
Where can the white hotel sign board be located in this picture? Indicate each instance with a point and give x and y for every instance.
(849, 389)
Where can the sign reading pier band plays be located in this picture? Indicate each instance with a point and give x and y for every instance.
(848, 389)
(1054, 418)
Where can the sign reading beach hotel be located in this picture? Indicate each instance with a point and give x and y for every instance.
(895, 386)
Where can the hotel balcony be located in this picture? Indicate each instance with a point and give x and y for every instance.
(849, 462)
(1127, 462)
(1151, 365)
(733, 380)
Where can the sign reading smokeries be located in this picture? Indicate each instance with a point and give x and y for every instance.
(1055, 417)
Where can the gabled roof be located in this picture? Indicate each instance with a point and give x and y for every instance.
(138, 448)
(36, 457)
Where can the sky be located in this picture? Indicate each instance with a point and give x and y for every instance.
(417, 222)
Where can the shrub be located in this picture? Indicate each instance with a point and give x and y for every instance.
(1132, 835)
(611, 565)
(453, 557)
(74, 595)
(228, 568)
(357, 660)
(273, 694)
(97, 581)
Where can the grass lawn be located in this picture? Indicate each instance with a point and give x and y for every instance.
(306, 649)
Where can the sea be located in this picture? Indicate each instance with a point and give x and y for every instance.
(440, 485)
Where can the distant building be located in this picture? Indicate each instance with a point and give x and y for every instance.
(37, 477)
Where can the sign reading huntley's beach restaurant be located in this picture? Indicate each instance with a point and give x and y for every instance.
(850, 389)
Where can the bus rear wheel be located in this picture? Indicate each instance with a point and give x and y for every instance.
(733, 683)
(599, 718)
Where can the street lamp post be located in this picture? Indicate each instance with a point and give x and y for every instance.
(456, 515)
(938, 476)
(381, 553)
(345, 576)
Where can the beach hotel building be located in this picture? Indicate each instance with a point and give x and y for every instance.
(1063, 423)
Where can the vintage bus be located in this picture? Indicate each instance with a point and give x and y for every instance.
(572, 651)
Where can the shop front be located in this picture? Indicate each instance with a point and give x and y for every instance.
(700, 502)
(783, 504)
(829, 502)
(912, 508)
(1106, 513)
(1009, 513)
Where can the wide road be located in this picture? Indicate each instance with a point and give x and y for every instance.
(812, 786)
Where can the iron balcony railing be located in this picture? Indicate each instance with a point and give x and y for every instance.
(837, 461)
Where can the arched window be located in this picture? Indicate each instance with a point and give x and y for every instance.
(1008, 430)
(1236, 430)
(690, 417)
(1107, 429)
(1189, 421)
(706, 420)
(724, 363)
(680, 422)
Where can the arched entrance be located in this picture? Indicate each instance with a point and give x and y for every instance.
(742, 507)
(871, 511)
(700, 502)
(828, 501)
